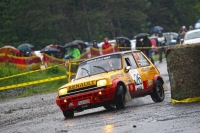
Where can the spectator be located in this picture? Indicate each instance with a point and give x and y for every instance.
(184, 28)
(106, 44)
(126, 46)
(81, 48)
(148, 48)
(18, 53)
(72, 53)
(95, 44)
(140, 45)
(181, 35)
(161, 45)
(117, 42)
(190, 27)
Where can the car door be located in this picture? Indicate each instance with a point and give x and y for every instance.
(145, 67)
(134, 74)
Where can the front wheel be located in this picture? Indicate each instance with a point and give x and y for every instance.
(120, 97)
(109, 106)
(158, 94)
(68, 113)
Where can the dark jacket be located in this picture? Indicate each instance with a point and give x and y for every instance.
(139, 45)
(147, 43)
(95, 46)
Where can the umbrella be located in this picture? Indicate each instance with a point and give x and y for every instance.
(25, 47)
(141, 35)
(156, 29)
(70, 44)
(49, 50)
(8, 49)
(59, 46)
(56, 46)
(127, 40)
(76, 42)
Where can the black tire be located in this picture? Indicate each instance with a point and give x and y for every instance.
(120, 97)
(109, 106)
(68, 113)
(158, 94)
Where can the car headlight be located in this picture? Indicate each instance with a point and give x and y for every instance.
(102, 82)
(62, 91)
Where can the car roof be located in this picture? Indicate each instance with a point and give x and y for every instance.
(191, 31)
(116, 53)
(188, 34)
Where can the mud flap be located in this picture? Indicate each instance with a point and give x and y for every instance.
(127, 95)
(165, 87)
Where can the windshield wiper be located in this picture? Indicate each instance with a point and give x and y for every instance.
(86, 71)
(101, 68)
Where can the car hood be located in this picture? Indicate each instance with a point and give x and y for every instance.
(92, 80)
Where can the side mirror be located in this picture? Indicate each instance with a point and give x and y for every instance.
(127, 68)
(72, 80)
(139, 62)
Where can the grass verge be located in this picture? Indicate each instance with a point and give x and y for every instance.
(30, 90)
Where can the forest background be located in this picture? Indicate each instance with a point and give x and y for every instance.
(44, 22)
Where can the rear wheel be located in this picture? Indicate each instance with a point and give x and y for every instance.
(68, 113)
(120, 97)
(158, 94)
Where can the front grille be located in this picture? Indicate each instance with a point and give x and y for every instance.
(82, 90)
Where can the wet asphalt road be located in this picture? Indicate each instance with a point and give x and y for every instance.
(40, 114)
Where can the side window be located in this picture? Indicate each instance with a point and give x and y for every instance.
(129, 61)
(142, 61)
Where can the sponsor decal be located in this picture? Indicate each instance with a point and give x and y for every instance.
(81, 85)
(121, 74)
(147, 75)
(128, 78)
(147, 69)
(103, 58)
(149, 82)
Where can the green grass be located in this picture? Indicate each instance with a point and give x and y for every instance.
(156, 57)
(25, 91)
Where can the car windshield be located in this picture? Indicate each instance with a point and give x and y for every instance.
(99, 65)
(192, 35)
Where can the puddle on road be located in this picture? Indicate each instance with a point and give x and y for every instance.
(109, 128)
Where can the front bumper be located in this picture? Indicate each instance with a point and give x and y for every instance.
(87, 99)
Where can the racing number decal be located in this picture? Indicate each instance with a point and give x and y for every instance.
(137, 79)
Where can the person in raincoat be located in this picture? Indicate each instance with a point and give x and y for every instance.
(161, 44)
(106, 44)
(72, 53)
(148, 48)
(140, 45)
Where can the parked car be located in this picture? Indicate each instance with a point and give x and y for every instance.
(173, 36)
(192, 36)
(110, 81)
